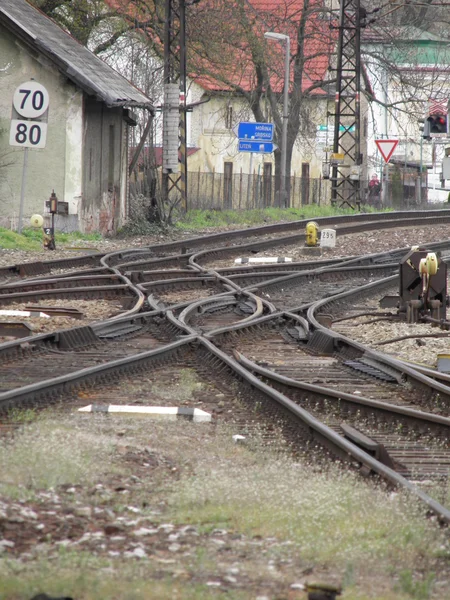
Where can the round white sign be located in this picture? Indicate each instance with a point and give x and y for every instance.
(31, 100)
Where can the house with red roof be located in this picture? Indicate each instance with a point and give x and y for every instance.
(236, 75)
(243, 81)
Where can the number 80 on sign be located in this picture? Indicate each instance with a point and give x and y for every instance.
(28, 134)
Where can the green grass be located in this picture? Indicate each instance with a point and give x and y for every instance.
(378, 543)
(41, 457)
(195, 220)
(201, 219)
(84, 576)
(257, 497)
(32, 239)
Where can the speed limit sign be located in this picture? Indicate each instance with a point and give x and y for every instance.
(30, 102)
(28, 134)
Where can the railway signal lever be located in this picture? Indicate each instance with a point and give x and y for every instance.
(423, 287)
(49, 232)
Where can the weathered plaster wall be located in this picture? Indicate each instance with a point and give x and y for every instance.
(74, 152)
(218, 144)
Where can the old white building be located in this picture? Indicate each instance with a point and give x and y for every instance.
(85, 158)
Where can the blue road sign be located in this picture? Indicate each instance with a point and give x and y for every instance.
(256, 131)
(252, 146)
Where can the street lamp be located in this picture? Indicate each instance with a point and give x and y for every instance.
(281, 37)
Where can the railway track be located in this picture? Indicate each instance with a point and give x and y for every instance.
(257, 329)
(377, 400)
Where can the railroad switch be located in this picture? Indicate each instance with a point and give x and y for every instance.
(312, 234)
(423, 287)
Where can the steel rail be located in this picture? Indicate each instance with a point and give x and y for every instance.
(283, 227)
(409, 416)
(325, 436)
(155, 304)
(321, 274)
(394, 219)
(372, 221)
(301, 237)
(339, 339)
(64, 383)
(201, 305)
(328, 438)
(58, 283)
(109, 291)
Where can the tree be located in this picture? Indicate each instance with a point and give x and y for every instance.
(115, 39)
(91, 22)
(227, 48)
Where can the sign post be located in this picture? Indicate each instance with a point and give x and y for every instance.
(28, 126)
(254, 138)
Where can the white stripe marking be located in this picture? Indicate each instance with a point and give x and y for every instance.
(198, 415)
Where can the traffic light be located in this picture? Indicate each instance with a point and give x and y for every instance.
(437, 123)
(424, 127)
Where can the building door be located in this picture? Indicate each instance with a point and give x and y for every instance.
(227, 185)
(267, 184)
(305, 183)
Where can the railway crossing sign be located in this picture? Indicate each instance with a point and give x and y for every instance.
(386, 148)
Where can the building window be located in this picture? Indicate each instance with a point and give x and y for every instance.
(229, 117)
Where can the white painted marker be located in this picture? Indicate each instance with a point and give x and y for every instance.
(262, 259)
(171, 412)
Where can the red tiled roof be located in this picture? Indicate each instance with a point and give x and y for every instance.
(281, 16)
(217, 22)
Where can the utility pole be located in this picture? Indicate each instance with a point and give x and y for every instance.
(174, 165)
(346, 160)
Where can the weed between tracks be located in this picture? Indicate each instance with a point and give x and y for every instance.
(261, 521)
(31, 239)
(200, 219)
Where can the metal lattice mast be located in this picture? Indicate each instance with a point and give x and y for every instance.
(174, 111)
(346, 170)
